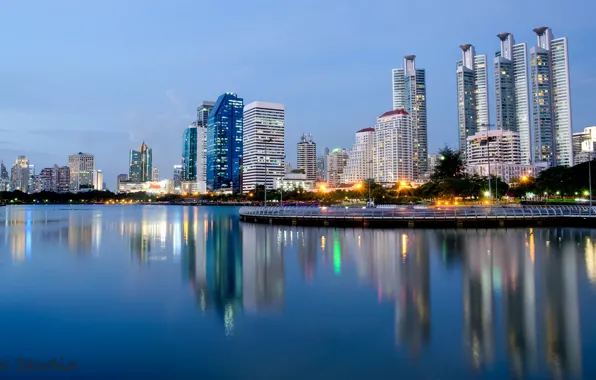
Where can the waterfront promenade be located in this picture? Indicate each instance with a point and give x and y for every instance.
(430, 217)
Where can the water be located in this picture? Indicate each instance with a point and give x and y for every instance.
(170, 292)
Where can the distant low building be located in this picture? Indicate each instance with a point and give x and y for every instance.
(295, 180)
(507, 172)
(160, 187)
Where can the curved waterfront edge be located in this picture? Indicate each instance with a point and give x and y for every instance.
(447, 217)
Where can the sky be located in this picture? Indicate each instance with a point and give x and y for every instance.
(101, 77)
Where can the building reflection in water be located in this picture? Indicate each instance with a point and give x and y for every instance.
(26, 226)
(147, 240)
(563, 346)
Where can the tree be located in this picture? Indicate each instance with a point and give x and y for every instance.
(450, 165)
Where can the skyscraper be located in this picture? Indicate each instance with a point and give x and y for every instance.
(224, 143)
(392, 158)
(155, 174)
(140, 163)
(551, 100)
(3, 171)
(307, 157)
(82, 166)
(511, 92)
(194, 149)
(472, 94)
(62, 179)
(336, 161)
(409, 94)
(264, 144)
(20, 174)
(177, 176)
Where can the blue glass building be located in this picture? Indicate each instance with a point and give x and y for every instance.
(224, 143)
(140, 164)
(189, 154)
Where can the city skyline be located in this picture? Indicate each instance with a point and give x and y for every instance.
(156, 106)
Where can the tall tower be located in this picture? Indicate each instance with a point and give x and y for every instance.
(307, 157)
(511, 91)
(140, 162)
(264, 145)
(225, 129)
(409, 94)
(551, 100)
(472, 94)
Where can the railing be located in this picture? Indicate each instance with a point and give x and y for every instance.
(408, 212)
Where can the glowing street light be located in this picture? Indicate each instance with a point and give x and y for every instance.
(358, 185)
(487, 193)
(524, 178)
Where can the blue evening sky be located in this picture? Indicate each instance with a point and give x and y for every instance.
(102, 76)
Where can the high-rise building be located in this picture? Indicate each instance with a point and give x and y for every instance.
(359, 166)
(472, 94)
(584, 145)
(3, 171)
(47, 179)
(392, 147)
(140, 163)
(551, 100)
(82, 166)
(264, 145)
(121, 178)
(155, 174)
(511, 92)
(325, 163)
(307, 157)
(31, 182)
(321, 176)
(177, 177)
(98, 180)
(336, 161)
(194, 157)
(62, 179)
(20, 174)
(225, 129)
(409, 94)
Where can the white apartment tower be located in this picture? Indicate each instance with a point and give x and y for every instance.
(511, 92)
(307, 157)
(551, 103)
(264, 145)
(472, 94)
(393, 148)
(82, 167)
(501, 146)
(409, 94)
(359, 166)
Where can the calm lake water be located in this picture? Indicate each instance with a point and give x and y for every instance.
(170, 292)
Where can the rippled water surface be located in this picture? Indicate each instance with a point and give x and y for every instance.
(175, 292)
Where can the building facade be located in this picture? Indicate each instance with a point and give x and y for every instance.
(121, 178)
(264, 145)
(472, 94)
(409, 94)
(494, 146)
(506, 172)
(82, 166)
(336, 161)
(140, 164)
(307, 157)
(511, 92)
(19, 174)
(155, 174)
(392, 147)
(551, 100)
(98, 180)
(359, 166)
(225, 130)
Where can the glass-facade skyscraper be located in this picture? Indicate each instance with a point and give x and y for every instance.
(189, 153)
(140, 164)
(472, 94)
(224, 143)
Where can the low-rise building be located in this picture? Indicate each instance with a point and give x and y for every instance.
(295, 180)
(506, 172)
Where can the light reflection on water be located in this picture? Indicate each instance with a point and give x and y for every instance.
(495, 303)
